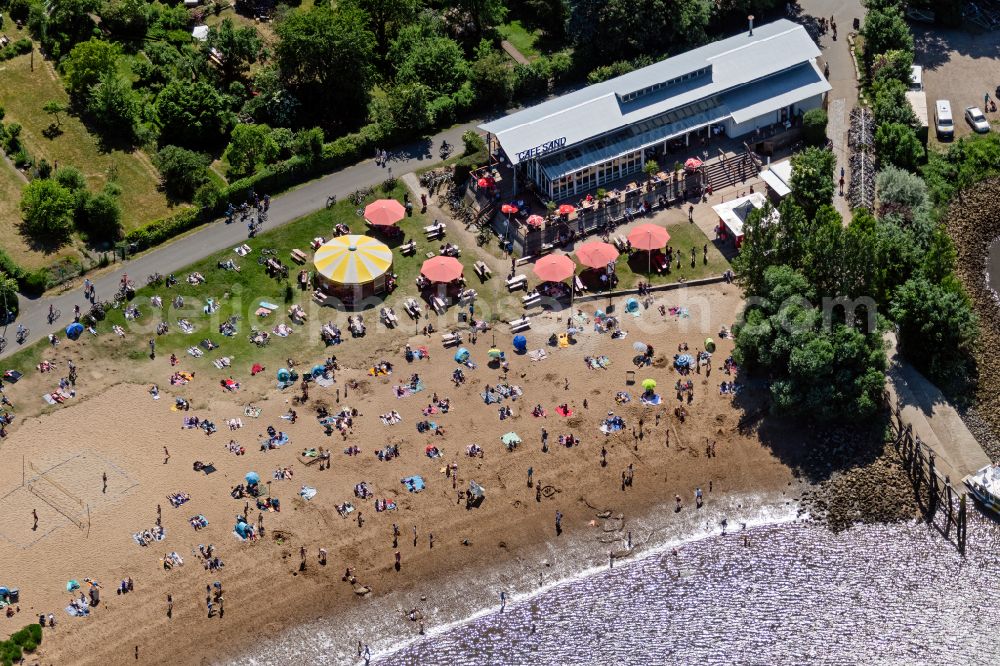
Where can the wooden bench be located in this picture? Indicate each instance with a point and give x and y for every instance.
(438, 304)
(412, 308)
(449, 339)
(619, 243)
(298, 256)
(578, 283)
(434, 231)
(519, 324)
(517, 282)
(483, 271)
(407, 249)
(531, 298)
(467, 296)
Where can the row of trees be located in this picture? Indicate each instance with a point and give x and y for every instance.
(822, 293)
(54, 205)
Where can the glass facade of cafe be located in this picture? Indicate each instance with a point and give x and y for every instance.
(585, 179)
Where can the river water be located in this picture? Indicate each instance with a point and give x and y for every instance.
(798, 593)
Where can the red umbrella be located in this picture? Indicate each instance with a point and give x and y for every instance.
(648, 237)
(692, 163)
(554, 268)
(442, 269)
(566, 209)
(487, 181)
(596, 254)
(384, 212)
(536, 220)
(508, 209)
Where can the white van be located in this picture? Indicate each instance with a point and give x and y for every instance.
(944, 124)
(916, 78)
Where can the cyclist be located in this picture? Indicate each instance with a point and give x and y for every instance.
(21, 331)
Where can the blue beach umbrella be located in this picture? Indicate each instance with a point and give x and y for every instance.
(74, 330)
(520, 343)
(252, 477)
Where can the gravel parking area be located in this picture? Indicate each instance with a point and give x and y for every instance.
(961, 67)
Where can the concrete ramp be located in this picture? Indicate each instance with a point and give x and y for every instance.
(933, 418)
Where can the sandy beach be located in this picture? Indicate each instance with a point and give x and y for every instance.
(114, 427)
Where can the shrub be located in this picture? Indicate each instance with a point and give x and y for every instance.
(34, 282)
(22, 159)
(36, 632)
(814, 127)
(30, 645)
(473, 142)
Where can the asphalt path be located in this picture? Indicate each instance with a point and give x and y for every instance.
(217, 235)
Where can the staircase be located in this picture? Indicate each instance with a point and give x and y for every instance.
(731, 170)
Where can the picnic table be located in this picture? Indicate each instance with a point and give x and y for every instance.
(298, 256)
(483, 271)
(517, 282)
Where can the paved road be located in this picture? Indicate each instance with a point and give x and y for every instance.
(218, 235)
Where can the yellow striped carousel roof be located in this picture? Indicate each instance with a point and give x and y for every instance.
(353, 259)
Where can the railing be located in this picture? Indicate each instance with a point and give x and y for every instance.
(942, 505)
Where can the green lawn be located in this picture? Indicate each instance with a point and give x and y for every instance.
(523, 39)
(241, 293)
(23, 93)
(683, 236)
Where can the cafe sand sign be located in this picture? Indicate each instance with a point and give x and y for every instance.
(542, 149)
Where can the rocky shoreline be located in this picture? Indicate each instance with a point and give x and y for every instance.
(865, 482)
(970, 223)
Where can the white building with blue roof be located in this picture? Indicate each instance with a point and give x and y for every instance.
(598, 134)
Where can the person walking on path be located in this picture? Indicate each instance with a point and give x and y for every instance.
(558, 523)
(34, 515)
(152, 348)
(104, 481)
(503, 600)
(170, 606)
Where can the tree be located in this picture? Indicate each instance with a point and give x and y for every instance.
(885, 30)
(890, 104)
(894, 64)
(115, 107)
(239, 48)
(404, 110)
(192, 114)
(491, 76)
(47, 209)
(436, 62)
(62, 24)
(308, 143)
(473, 142)
(613, 30)
(651, 168)
(71, 178)
(101, 217)
(250, 145)
(127, 19)
(814, 127)
(55, 109)
(898, 145)
(550, 15)
(812, 179)
(386, 18)
(900, 191)
(86, 64)
(937, 327)
(182, 171)
(818, 372)
(324, 57)
(8, 294)
(484, 14)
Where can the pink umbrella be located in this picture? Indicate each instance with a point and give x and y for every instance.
(692, 164)
(535, 220)
(508, 209)
(554, 268)
(384, 212)
(648, 237)
(442, 269)
(596, 254)
(566, 209)
(487, 181)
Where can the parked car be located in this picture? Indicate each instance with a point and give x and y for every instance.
(976, 119)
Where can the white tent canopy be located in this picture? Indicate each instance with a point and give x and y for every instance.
(778, 177)
(733, 214)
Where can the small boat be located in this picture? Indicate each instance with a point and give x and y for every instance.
(985, 487)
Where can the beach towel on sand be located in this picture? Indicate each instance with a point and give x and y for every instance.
(651, 399)
(564, 411)
(538, 355)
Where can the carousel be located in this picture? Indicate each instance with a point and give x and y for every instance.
(354, 267)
